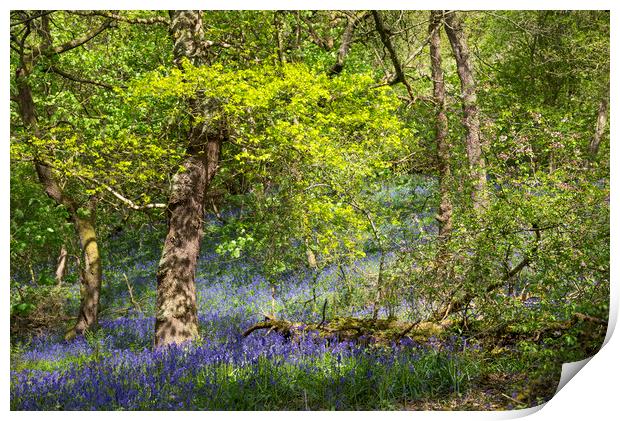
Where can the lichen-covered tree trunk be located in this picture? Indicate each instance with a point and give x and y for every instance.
(601, 123)
(471, 119)
(444, 215)
(91, 273)
(176, 318)
(85, 226)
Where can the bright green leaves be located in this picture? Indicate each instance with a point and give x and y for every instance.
(305, 144)
(236, 246)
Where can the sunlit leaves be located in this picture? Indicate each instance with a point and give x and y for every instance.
(303, 141)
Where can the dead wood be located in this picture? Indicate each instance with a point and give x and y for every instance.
(350, 329)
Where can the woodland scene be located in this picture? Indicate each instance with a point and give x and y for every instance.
(306, 210)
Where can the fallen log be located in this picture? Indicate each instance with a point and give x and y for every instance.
(350, 328)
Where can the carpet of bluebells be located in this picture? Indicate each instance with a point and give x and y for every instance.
(116, 368)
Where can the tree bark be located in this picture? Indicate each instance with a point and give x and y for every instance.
(176, 318)
(277, 23)
(91, 274)
(61, 265)
(444, 215)
(471, 120)
(601, 124)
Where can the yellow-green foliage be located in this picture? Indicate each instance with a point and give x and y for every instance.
(302, 140)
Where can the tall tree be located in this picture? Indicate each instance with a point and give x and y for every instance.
(601, 123)
(176, 319)
(471, 119)
(441, 127)
(81, 214)
(444, 214)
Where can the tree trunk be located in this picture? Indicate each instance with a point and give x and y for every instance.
(601, 124)
(277, 23)
(176, 318)
(61, 265)
(310, 256)
(441, 129)
(471, 121)
(85, 227)
(91, 274)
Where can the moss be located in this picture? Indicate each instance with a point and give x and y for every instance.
(351, 328)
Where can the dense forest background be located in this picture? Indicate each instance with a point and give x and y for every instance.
(306, 209)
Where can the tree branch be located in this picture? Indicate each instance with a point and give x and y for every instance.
(347, 37)
(78, 79)
(74, 43)
(33, 17)
(127, 202)
(417, 52)
(51, 187)
(384, 34)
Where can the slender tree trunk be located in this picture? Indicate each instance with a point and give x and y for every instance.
(85, 226)
(277, 23)
(441, 129)
(444, 214)
(310, 256)
(176, 318)
(61, 265)
(91, 275)
(471, 120)
(601, 124)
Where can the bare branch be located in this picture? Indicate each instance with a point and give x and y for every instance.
(80, 80)
(347, 37)
(384, 33)
(127, 202)
(417, 52)
(30, 18)
(74, 43)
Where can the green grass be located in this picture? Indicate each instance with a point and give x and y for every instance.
(327, 383)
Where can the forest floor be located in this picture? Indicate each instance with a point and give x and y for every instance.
(117, 368)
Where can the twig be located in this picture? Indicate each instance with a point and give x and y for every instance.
(323, 316)
(111, 15)
(513, 399)
(131, 298)
(74, 43)
(384, 34)
(80, 80)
